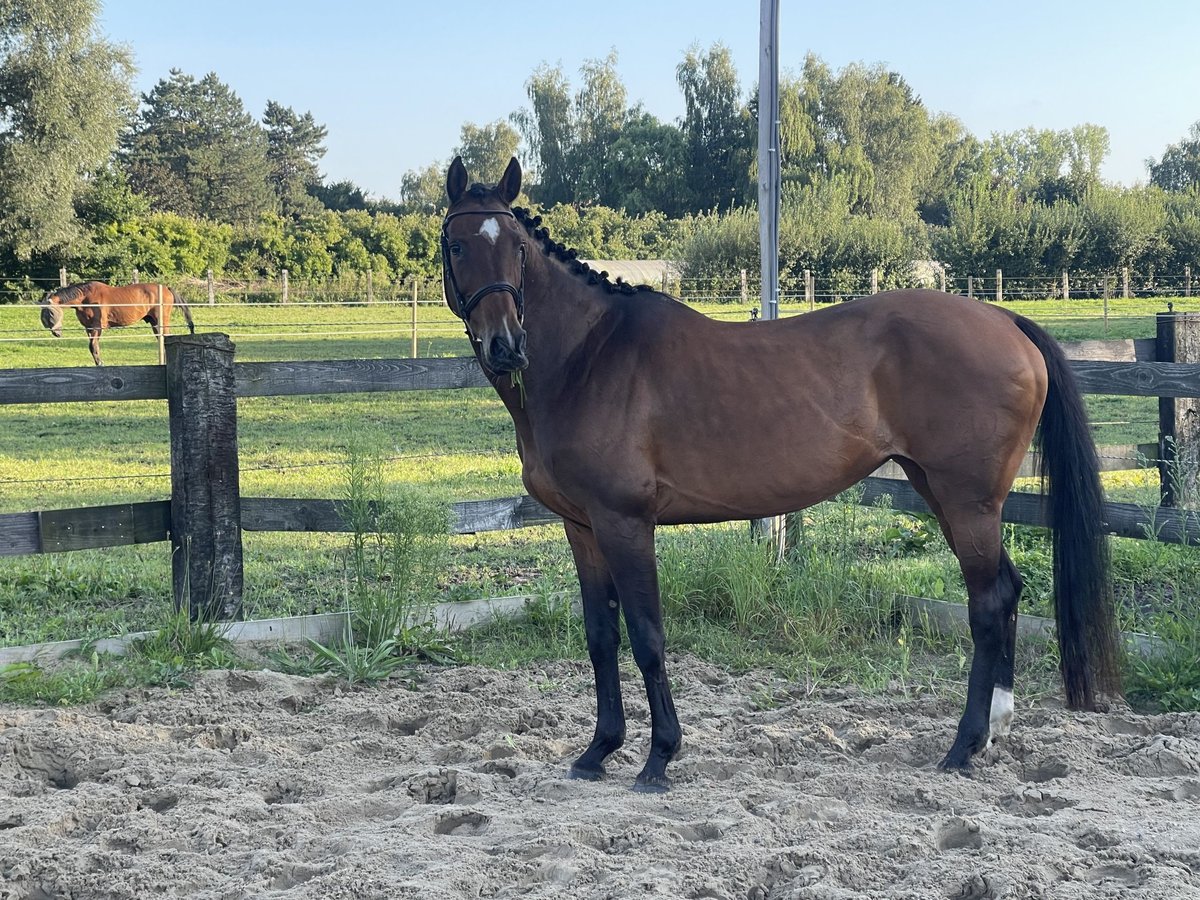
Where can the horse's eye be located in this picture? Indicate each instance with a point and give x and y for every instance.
(456, 249)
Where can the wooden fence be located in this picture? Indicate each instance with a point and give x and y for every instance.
(206, 515)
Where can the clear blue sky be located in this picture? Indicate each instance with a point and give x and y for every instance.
(395, 81)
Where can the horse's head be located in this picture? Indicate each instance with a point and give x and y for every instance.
(483, 265)
(51, 313)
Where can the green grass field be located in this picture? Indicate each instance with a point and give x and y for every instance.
(453, 445)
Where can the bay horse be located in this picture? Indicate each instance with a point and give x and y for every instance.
(99, 306)
(632, 410)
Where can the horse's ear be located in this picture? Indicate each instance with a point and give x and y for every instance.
(456, 180)
(510, 182)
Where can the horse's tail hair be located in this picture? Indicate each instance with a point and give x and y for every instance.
(1083, 604)
(187, 312)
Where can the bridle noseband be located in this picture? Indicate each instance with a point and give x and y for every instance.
(466, 305)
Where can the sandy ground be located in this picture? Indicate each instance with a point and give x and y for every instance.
(256, 784)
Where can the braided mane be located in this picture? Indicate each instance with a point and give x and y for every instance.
(533, 224)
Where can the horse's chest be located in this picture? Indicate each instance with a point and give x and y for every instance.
(545, 488)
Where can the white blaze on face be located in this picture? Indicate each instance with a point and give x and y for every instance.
(490, 229)
(1002, 713)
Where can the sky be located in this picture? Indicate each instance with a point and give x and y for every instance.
(394, 82)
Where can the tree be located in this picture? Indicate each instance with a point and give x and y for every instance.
(64, 96)
(1122, 225)
(717, 129)
(295, 144)
(194, 150)
(1179, 168)
(644, 166)
(599, 116)
(549, 132)
(424, 191)
(340, 196)
(866, 127)
(485, 151)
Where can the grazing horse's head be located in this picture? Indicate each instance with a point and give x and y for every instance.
(483, 265)
(52, 313)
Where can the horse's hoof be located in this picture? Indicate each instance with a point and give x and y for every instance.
(956, 763)
(652, 785)
(582, 773)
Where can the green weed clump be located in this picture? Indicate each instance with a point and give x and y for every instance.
(399, 546)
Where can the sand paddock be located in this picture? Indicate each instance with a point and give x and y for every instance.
(257, 784)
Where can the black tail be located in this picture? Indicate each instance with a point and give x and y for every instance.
(1083, 602)
(187, 313)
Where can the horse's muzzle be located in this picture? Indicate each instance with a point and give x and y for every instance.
(504, 356)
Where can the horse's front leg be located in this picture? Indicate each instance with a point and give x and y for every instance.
(94, 344)
(600, 611)
(627, 545)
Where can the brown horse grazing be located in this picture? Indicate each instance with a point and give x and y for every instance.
(632, 410)
(99, 306)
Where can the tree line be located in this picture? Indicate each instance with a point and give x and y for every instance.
(183, 178)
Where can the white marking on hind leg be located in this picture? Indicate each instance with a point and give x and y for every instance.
(1002, 713)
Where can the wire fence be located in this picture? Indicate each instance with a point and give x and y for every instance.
(744, 286)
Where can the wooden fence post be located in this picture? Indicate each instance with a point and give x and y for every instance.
(999, 285)
(970, 287)
(370, 286)
(212, 292)
(1066, 285)
(284, 274)
(874, 281)
(1178, 340)
(1125, 282)
(163, 327)
(137, 277)
(1187, 281)
(62, 277)
(206, 521)
(416, 283)
(809, 289)
(745, 288)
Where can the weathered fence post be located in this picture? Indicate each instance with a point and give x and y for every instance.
(874, 281)
(163, 327)
(1125, 282)
(745, 288)
(1066, 285)
(416, 283)
(1178, 340)
(809, 289)
(999, 285)
(370, 286)
(1187, 281)
(212, 292)
(62, 277)
(206, 521)
(284, 274)
(970, 287)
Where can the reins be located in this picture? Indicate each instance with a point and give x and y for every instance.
(466, 305)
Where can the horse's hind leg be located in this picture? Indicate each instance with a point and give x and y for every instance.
(1001, 713)
(993, 592)
(600, 612)
(993, 587)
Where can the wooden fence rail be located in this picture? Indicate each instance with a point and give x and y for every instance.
(117, 525)
(204, 519)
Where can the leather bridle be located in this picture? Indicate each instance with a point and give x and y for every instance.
(466, 305)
